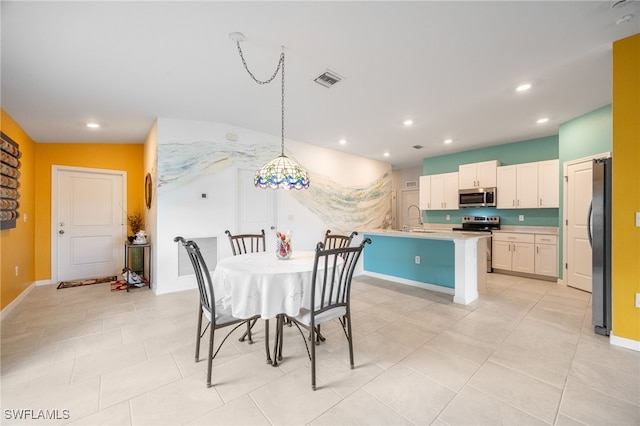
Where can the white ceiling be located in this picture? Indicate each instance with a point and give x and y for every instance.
(450, 66)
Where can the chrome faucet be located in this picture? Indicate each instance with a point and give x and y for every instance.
(419, 213)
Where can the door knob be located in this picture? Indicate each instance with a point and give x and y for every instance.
(61, 231)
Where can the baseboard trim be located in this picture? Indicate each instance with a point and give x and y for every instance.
(433, 287)
(15, 302)
(45, 282)
(623, 342)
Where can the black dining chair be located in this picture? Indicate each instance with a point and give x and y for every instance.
(243, 244)
(330, 296)
(217, 316)
(247, 243)
(332, 241)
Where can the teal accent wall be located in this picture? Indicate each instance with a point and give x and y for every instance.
(532, 217)
(512, 153)
(587, 135)
(395, 256)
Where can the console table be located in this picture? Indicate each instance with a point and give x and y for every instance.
(144, 269)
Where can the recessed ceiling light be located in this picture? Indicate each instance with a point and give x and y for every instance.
(93, 125)
(408, 122)
(523, 87)
(342, 141)
(448, 141)
(386, 154)
(542, 120)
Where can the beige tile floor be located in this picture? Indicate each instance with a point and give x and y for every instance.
(523, 354)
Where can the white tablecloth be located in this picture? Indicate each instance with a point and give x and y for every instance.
(261, 284)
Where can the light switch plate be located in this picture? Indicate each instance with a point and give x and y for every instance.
(638, 219)
(637, 300)
(521, 218)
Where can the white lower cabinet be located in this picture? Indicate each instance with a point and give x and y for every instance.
(547, 255)
(525, 253)
(513, 252)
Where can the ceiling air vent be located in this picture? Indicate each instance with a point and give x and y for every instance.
(411, 184)
(328, 78)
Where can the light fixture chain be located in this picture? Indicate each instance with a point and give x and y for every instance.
(244, 62)
(282, 106)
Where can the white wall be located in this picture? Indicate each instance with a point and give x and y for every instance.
(346, 192)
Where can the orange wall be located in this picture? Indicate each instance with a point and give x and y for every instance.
(626, 188)
(127, 157)
(17, 245)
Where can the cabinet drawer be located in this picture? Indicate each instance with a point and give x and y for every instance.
(513, 238)
(546, 239)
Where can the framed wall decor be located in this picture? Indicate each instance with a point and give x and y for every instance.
(9, 181)
(148, 190)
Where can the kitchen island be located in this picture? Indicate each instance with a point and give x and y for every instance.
(448, 262)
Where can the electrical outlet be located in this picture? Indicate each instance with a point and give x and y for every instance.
(637, 300)
(521, 218)
(417, 260)
(448, 217)
(24, 218)
(638, 219)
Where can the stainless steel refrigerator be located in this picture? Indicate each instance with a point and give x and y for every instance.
(600, 240)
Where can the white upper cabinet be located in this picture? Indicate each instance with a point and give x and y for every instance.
(439, 192)
(528, 186)
(506, 187)
(477, 175)
(549, 184)
(425, 192)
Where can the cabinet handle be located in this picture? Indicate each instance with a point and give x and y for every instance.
(540, 202)
(537, 249)
(513, 203)
(518, 202)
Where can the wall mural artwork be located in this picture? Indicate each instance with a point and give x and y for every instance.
(337, 205)
(9, 182)
(180, 163)
(348, 207)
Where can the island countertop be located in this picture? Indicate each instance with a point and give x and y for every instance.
(427, 234)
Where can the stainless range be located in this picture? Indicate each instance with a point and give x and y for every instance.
(481, 225)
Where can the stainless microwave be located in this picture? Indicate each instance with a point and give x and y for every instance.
(477, 197)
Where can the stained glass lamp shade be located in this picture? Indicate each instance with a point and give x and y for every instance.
(281, 172)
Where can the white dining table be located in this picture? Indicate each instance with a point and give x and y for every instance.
(261, 284)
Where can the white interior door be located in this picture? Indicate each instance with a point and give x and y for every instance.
(579, 191)
(89, 222)
(409, 217)
(256, 207)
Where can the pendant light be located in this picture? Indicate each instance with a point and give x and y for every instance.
(281, 172)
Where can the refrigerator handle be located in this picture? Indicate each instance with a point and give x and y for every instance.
(589, 215)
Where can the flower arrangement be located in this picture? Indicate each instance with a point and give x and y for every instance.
(283, 245)
(136, 221)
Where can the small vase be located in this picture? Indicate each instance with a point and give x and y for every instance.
(283, 245)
